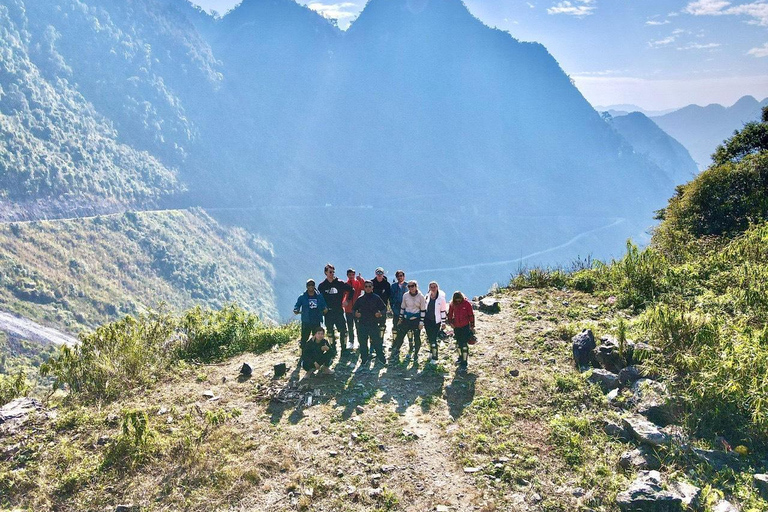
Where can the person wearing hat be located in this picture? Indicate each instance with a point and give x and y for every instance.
(312, 307)
(357, 284)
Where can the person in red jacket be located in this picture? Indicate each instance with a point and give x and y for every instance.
(357, 284)
(462, 318)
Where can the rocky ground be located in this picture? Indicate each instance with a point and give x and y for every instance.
(521, 430)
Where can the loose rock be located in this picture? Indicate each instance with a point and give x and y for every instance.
(605, 379)
(629, 375)
(716, 459)
(646, 494)
(489, 305)
(246, 370)
(16, 413)
(761, 482)
(583, 344)
(618, 431)
(652, 400)
(725, 506)
(609, 356)
(645, 431)
(639, 458)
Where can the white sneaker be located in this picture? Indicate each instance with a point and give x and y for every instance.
(350, 346)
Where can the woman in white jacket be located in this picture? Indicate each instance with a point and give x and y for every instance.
(435, 317)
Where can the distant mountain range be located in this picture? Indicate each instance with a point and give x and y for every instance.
(623, 109)
(702, 129)
(462, 146)
(662, 149)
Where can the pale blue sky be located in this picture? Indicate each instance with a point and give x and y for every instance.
(656, 54)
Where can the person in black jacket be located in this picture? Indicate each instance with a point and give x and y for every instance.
(382, 288)
(317, 354)
(335, 293)
(369, 310)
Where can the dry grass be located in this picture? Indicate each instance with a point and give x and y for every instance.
(394, 439)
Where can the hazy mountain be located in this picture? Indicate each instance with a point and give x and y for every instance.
(623, 109)
(653, 142)
(701, 129)
(418, 108)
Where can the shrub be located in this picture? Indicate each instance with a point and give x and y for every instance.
(136, 352)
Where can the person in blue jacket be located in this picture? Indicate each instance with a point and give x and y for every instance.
(311, 305)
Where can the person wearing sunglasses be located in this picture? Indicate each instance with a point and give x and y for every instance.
(413, 309)
(369, 310)
(335, 292)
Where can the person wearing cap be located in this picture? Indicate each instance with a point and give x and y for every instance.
(369, 310)
(312, 307)
(413, 309)
(462, 318)
(335, 292)
(435, 317)
(357, 284)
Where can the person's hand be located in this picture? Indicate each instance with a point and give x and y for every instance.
(377, 314)
(359, 315)
(421, 325)
(296, 311)
(325, 310)
(472, 330)
(325, 349)
(345, 303)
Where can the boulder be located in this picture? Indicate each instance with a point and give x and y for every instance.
(639, 458)
(647, 494)
(605, 379)
(16, 413)
(583, 347)
(725, 506)
(644, 431)
(280, 370)
(608, 355)
(652, 400)
(761, 483)
(629, 375)
(489, 305)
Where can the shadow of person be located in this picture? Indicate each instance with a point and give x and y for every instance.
(460, 393)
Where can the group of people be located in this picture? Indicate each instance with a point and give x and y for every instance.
(359, 305)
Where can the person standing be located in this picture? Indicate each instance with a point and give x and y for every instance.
(311, 305)
(396, 292)
(413, 309)
(382, 288)
(334, 292)
(369, 310)
(357, 284)
(318, 354)
(462, 318)
(435, 317)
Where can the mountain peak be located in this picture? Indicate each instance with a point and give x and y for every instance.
(398, 12)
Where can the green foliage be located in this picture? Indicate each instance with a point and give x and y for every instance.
(214, 335)
(85, 272)
(751, 139)
(638, 278)
(138, 351)
(13, 386)
(538, 278)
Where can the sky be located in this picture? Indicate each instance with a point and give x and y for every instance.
(655, 54)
